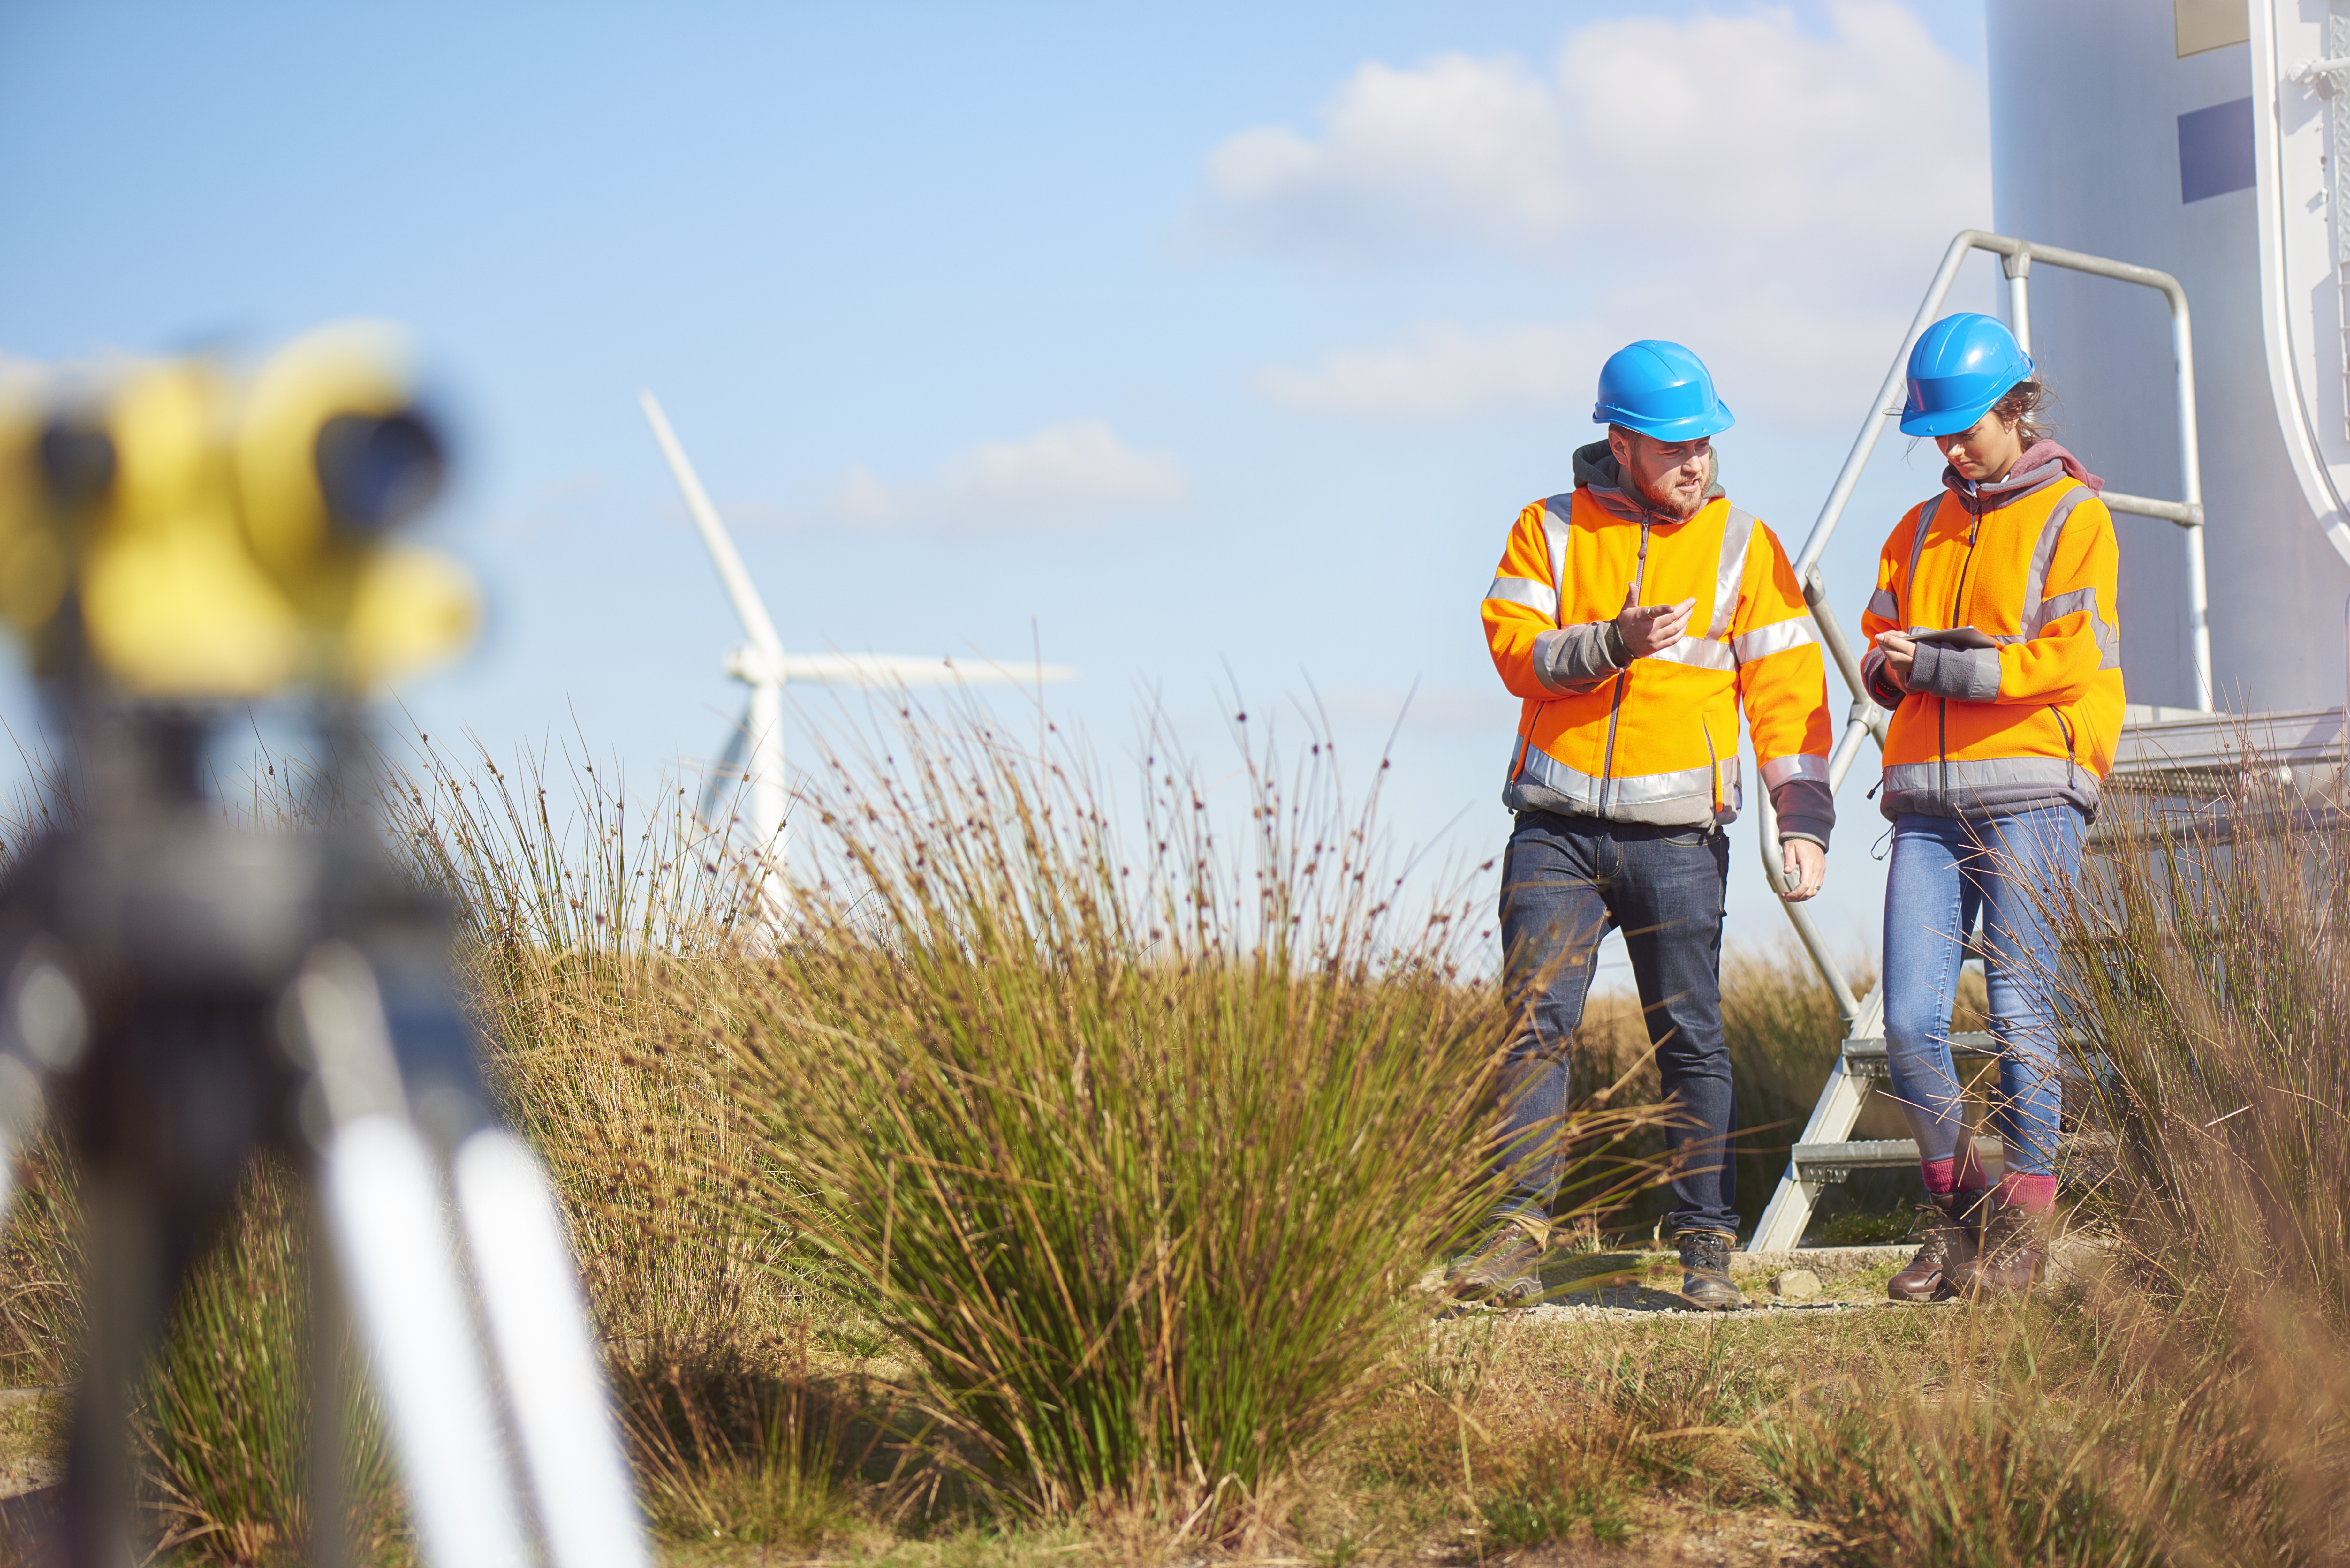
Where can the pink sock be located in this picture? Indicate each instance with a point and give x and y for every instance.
(1944, 1177)
(2034, 1193)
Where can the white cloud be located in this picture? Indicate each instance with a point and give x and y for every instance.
(1441, 370)
(1455, 141)
(1063, 476)
(1775, 198)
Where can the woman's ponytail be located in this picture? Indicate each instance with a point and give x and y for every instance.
(2027, 406)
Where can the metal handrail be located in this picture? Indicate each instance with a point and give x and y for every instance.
(1866, 720)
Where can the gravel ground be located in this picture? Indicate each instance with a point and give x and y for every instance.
(1596, 1287)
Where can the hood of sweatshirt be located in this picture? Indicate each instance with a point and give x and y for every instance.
(1597, 470)
(2042, 463)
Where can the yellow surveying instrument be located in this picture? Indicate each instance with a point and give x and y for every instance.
(179, 540)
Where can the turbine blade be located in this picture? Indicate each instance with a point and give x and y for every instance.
(748, 607)
(730, 761)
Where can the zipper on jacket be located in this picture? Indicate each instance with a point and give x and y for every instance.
(1607, 760)
(1942, 704)
(2069, 756)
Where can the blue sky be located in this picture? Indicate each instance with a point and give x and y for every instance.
(1207, 343)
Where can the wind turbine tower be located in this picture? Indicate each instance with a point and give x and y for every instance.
(761, 664)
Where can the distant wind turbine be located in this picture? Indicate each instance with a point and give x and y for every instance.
(761, 664)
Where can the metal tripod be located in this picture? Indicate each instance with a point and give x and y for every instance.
(194, 994)
(184, 996)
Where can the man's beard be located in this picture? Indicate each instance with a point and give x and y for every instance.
(1672, 505)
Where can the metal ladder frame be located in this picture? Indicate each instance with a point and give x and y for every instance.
(1823, 1156)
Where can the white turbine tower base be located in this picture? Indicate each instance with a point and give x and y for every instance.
(761, 664)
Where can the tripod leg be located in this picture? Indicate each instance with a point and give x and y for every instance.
(20, 1117)
(125, 1297)
(585, 1502)
(329, 1323)
(384, 1207)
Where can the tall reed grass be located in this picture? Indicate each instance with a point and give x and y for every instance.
(1140, 1152)
(1057, 1163)
(2183, 1396)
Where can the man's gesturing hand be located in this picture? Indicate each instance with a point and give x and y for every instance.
(1649, 629)
(1805, 863)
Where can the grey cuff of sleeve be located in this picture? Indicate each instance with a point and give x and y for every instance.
(1880, 685)
(1580, 657)
(1962, 674)
(1807, 810)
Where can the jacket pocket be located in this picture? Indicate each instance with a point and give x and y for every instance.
(1727, 798)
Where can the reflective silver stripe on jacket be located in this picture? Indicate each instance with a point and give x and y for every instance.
(1799, 765)
(2035, 578)
(1699, 653)
(1683, 796)
(1730, 570)
(1777, 638)
(1986, 773)
(1918, 551)
(1989, 786)
(1540, 597)
(2109, 639)
(1558, 516)
(1883, 606)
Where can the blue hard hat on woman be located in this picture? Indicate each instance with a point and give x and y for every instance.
(1961, 366)
(1660, 389)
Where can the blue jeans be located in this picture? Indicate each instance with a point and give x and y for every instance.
(1566, 882)
(1945, 870)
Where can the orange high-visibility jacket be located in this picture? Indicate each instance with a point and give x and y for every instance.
(2030, 562)
(1656, 740)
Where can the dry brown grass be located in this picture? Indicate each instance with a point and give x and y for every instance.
(2184, 1401)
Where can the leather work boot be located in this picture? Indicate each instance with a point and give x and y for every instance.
(1504, 1271)
(1948, 1234)
(2015, 1248)
(1705, 1271)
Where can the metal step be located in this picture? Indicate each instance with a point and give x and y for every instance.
(1832, 1162)
(1869, 1055)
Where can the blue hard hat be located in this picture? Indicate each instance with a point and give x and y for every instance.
(1961, 366)
(1660, 389)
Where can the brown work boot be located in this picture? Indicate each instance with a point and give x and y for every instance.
(1505, 1270)
(2014, 1247)
(1705, 1271)
(1946, 1233)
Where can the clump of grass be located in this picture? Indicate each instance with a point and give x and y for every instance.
(228, 1416)
(600, 949)
(1859, 1228)
(2183, 1398)
(1972, 1484)
(2065, 1436)
(2213, 976)
(40, 1265)
(742, 1452)
(1141, 1156)
(2209, 969)
(1583, 1503)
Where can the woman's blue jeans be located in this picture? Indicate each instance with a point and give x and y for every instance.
(1946, 870)
(1567, 881)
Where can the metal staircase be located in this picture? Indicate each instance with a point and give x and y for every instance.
(1823, 1155)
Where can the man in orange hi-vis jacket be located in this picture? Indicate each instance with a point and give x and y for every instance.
(1634, 616)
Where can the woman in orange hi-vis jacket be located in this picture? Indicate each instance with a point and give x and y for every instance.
(1994, 639)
